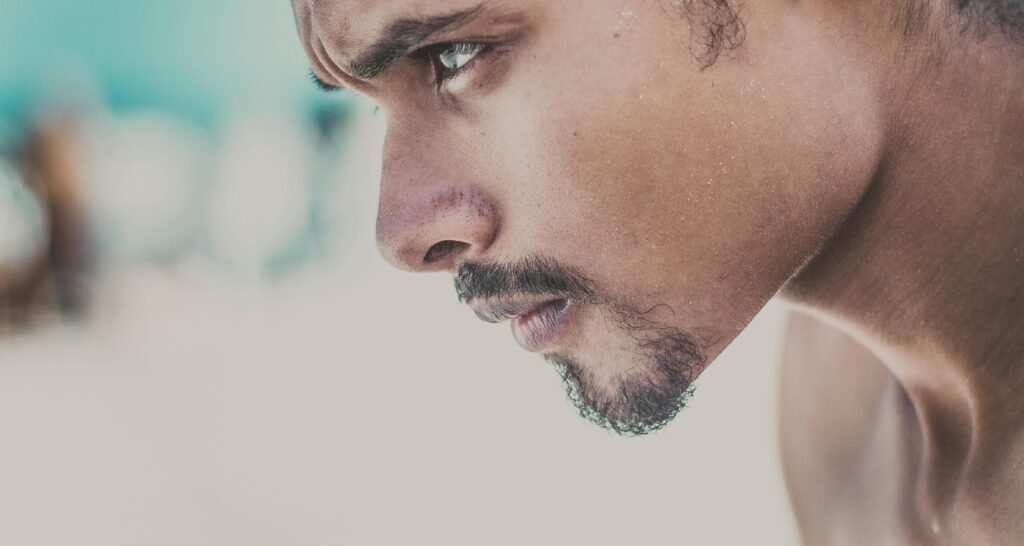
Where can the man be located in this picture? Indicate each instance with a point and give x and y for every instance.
(628, 182)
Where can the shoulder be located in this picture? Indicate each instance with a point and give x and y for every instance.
(832, 390)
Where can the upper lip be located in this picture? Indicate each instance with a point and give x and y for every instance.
(504, 308)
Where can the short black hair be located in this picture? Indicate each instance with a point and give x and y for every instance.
(1007, 16)
(717, 25)
(975, 17)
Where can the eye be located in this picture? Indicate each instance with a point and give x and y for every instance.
(450, 58)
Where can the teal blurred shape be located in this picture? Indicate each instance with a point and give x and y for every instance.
(196, 58)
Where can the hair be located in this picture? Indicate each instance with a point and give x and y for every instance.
(651, 394)
(717, 25)
(976, 17)
(1006, 16)
(638, 401)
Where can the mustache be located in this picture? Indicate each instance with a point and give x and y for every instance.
(536, 275)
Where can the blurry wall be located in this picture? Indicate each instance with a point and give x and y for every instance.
(199, 59)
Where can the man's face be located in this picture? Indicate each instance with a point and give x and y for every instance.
(581, 171)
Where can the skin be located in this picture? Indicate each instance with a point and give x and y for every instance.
(869, 174)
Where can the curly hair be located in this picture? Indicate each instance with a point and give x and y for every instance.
(715, 27)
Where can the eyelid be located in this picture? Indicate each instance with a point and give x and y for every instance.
(494, 47)
(451, 72)
(431, 53)
(324, 86)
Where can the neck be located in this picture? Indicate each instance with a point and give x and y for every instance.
(928, 270)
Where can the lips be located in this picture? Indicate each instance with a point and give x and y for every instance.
(534, 331)
(536, 322)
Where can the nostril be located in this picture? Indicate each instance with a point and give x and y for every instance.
(443, 250)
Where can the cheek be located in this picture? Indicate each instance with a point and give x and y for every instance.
(664, 184)
(657, 199)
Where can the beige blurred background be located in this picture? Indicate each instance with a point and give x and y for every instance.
(201, 346)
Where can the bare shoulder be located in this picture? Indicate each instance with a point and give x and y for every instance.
(832, 392)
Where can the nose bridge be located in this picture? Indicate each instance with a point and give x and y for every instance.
(431, 210)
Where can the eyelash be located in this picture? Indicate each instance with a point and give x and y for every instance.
(322, 85)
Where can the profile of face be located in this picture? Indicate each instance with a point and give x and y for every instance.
(627, 182)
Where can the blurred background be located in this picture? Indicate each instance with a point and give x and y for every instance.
(199, 344)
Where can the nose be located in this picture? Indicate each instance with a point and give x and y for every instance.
(429, 215)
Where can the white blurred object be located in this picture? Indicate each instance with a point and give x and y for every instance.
(261, 195)
(141, 182)
(350, 205)
(23, 222)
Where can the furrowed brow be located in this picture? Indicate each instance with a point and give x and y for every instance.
(403, 36)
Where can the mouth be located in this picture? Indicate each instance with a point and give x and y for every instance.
(536, 330)
(535, 325)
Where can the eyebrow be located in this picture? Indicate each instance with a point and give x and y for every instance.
(397, 40)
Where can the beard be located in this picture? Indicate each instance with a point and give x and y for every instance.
(648, 396)
(638, 401)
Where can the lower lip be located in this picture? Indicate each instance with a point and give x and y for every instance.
(535, 331)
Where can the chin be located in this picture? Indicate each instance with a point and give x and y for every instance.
(638, 387)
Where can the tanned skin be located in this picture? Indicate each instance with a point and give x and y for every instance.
(862, 160)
